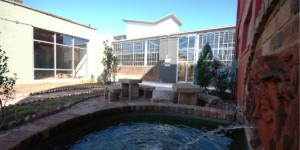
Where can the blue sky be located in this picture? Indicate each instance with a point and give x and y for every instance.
(106, 15)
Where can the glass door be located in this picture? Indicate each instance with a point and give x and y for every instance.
(181, 72)
(186, 51)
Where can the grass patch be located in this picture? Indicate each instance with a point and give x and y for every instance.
(35, 104)
(49, 102)
(50, 107)
(25, 110)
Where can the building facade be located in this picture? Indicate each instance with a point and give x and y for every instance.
(171, 57)
(268, 73)
(44, 47)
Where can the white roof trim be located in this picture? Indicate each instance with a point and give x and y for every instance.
(180, 33)
(172, 16)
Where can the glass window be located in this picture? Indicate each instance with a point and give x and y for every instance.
(43, 35)
(80, 43)
(63, 57)
(43, 74)
(191, 41)
(182, 55)
(200, 41)
(63, 74)
(139, 51)
(191, 55)
(153, 52)
(80, 58)
(64, 39)
(43, 55)
(183, 42)
(68, 59)
(79, 74)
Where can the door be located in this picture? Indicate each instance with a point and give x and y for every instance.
(186, 56)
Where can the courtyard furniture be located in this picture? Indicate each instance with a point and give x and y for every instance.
(130, 88)
(112, 93)
(187, 93)
(163, 94)
(205, 99)
(147, 90)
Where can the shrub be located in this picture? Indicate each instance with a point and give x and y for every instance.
(6, 82)
(110, 64)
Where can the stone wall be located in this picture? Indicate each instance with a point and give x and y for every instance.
(139, 72)
(269, 79)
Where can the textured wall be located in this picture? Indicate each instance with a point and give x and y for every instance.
(269, 74)
(139, 72)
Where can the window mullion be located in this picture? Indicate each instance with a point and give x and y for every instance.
(73, 69)
(54, 55)
(145, 53)
(133, 61)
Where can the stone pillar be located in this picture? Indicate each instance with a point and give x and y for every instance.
(147, 94)
(125, 88)
(133, 91)
(187, 98)
(105, 93)
(113, 97)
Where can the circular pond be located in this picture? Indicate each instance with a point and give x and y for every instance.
(148, 130)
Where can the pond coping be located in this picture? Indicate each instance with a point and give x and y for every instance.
(27, 135)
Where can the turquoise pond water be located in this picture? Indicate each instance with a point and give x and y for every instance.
(155, 131)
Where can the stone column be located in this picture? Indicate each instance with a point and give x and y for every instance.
(147, 94)
(125, 90)
(105, 93)
(133, 91)
(112, 97)
(187, 98)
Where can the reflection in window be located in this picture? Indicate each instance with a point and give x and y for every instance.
(43, 35)
(139, 52)
(43, 55)
(182, 55)
(63, 57)
(43, 74)
(64, 39)
(80, 58)
(183, 42)
(153, 52)
(186, 48)
(80, 43)
(63, 74)
(221, 42)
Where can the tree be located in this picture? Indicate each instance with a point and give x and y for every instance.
(203, 74)
(110, 64)
(6, 83)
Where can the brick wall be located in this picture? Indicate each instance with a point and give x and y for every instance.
(139, 72)
(268, 78)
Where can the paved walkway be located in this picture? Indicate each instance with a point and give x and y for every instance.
(32, 98)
